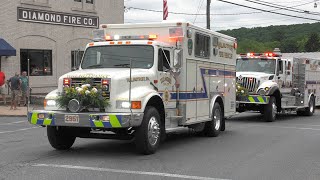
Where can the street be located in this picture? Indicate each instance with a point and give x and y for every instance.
(249, 149)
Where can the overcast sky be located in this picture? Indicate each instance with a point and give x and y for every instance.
(219, 19)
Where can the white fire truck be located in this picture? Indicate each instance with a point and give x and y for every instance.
(268, 83)
(158, 77)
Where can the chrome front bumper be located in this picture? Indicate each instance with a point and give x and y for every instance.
(90, 119)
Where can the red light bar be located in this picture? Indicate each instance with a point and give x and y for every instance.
(138, 37)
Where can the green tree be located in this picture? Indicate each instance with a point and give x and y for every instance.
(278, 35)
(289, 46)
(313, 43)
(302, 43)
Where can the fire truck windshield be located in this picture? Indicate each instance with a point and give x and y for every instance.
(142, 56)
(256, 65)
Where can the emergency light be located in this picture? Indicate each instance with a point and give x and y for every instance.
(66, 82)
(98, 35)
(139, 37)
(267, 54)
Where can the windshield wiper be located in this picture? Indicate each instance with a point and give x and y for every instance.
(122, 65)
(93, 66)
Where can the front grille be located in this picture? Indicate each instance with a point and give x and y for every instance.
(77, 82)
(249, 83)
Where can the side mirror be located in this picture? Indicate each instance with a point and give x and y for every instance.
(177, 58)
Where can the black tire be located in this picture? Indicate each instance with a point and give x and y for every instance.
(151, 119)
(223, 124)
(213, 127)
(270, 110)
(60, 138)
(311, 108)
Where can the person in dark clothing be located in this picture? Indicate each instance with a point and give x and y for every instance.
(15, 86)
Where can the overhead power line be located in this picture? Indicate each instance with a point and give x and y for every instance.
(198, 10)
(193, 14)
(269, 11)
(292, 9)
(215, 14)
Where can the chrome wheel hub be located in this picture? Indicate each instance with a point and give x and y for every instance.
(311, 106)
(217, 119)
(153, 131)
(274, 109)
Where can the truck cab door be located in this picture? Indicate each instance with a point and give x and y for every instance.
(280, 74)
(166, 82)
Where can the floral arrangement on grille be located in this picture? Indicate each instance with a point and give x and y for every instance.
(86, 96)
(241, 91)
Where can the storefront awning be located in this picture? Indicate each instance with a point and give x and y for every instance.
(6, 49)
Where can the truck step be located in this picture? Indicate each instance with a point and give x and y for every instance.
(176, 129)
(289, 107)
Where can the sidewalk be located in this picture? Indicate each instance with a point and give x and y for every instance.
(21, 112)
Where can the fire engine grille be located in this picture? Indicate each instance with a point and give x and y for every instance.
(249, 83)
(77, 82)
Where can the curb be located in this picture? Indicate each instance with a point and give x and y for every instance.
(6, 115)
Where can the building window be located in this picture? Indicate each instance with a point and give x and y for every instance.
(202, 46)
(76, 57)
(77, 0)
(40, 62)
(89, 1)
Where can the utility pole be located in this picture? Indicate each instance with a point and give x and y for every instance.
(208, 13)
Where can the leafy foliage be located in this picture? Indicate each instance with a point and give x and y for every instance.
(312, 43)
(88, 95)
(241, 91)
(289, 38)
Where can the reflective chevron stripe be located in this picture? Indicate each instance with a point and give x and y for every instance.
(113, 122)
(33, 118)
(258, 99)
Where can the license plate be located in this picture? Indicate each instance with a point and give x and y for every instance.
(71, 118)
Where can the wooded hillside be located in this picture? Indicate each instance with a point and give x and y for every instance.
(289, 38)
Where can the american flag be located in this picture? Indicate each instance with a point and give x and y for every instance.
(165, 10)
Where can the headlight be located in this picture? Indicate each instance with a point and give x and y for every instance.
(123, 104)
(127, 105)
(49, 103)
(262, 92)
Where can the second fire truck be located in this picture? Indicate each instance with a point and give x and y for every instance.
(268, 83)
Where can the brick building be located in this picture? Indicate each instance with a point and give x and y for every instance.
(52, 34)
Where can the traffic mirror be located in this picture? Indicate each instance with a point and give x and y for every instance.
(177, 58)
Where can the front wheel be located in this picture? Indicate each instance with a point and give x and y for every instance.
(60, 138)
(270, 110)
(148, 135)
(310, 109)
(213, 127)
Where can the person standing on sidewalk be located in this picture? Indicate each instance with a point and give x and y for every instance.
(15, 86)
(24, 88)
(3, 87)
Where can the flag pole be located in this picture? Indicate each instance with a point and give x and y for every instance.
(165, 9)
